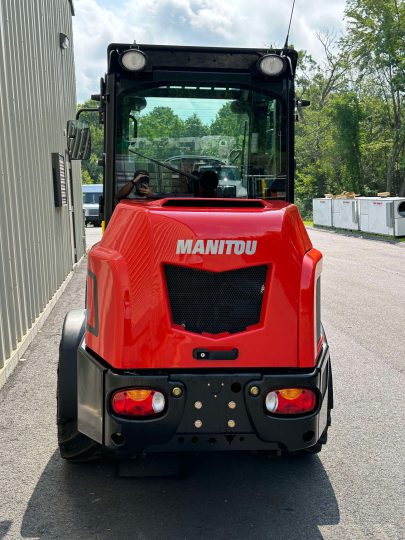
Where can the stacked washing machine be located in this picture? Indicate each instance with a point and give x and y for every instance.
(382, 215)
(339, 213)
(345, 214)
(379, 215)
(322, 212)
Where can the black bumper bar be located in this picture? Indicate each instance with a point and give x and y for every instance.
(229, 418)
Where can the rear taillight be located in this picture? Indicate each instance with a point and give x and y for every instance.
(138, 402)
(290, 401)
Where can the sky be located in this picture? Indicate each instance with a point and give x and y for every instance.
(228, 23)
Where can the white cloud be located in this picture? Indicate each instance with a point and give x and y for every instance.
(237, 23)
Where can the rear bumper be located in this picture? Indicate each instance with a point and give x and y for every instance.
(254, 429)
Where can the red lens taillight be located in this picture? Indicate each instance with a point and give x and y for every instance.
(290, 401)
(138, 402)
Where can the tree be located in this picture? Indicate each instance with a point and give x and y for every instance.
(345, 113)
(321, 162)
(376, 42)
(193, 127)
(86, 178)
(228, 123)
(160, 122)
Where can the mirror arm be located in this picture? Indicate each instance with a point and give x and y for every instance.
(303, 102)
(86, 109)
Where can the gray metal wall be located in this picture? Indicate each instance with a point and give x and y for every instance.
(37, 97)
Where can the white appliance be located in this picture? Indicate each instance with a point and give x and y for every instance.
(322, 212)
(382, 215)
(345, 214)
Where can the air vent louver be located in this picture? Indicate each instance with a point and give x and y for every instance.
(215, 302)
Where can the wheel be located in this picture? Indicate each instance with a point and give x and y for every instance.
(73, 445)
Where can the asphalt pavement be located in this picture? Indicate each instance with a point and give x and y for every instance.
(352, 490)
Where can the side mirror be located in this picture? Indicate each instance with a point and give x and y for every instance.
(78, 140)
(299, 104)
(135, 126)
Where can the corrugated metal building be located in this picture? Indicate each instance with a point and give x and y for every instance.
(39, 242)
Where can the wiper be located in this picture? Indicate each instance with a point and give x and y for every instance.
(173, 169)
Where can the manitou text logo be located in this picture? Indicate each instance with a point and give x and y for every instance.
(216, 247)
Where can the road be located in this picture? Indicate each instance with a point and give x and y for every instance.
(93, 235)
(352, 490)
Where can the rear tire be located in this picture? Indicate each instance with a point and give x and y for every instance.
(73, 445)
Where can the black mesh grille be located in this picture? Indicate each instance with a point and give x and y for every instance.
(215, 302)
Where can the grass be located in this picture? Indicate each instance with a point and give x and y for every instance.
(360, 234)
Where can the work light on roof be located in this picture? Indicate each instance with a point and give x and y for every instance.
(133, 60)
(271, 64)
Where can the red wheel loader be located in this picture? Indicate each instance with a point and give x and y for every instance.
(202, 329)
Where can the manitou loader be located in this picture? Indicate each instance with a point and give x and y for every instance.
(202, 329)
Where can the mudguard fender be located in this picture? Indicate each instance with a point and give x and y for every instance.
(72, 334)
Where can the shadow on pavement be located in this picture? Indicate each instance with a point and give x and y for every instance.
(224, 496)
(4, 527)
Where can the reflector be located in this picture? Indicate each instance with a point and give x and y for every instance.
(139, 394)
(290, 393)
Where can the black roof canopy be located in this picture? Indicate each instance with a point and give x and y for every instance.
(192, 58)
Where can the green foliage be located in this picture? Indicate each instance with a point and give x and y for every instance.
(345, 114)
(376, 37)
(86, 178)
(227, 122)
(352, 138)
(193, 127)
(376, 42)
(160, 122)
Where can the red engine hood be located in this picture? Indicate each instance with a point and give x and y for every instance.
(129, 318)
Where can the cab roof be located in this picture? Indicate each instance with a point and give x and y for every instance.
(200, 58)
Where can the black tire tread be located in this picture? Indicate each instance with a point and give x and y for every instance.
(74, 446)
